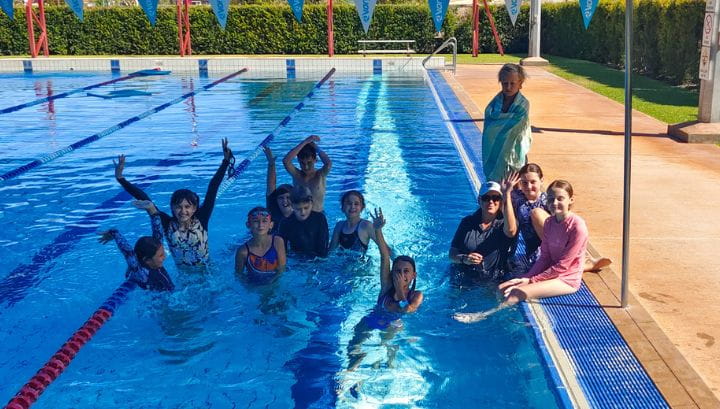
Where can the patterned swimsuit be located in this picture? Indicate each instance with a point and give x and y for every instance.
(262, 267)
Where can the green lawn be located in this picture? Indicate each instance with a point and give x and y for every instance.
(662, 101)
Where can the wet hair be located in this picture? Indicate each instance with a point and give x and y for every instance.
(308, 151)
(351, 193)
(271, 201)
(184, 194)
(531, 167)
(410, 260)
(300, 194)
(512, 68)
(145, 248)
(259, 209)
(561, 184)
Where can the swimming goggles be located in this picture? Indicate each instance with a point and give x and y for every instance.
(259, 214)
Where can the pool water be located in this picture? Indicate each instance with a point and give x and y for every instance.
(219, 341)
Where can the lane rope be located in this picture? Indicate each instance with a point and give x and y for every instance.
(79, 144)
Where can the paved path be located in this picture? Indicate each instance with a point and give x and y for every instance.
(675, 212)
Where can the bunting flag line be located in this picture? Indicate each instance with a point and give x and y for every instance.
(587, 7)
(7, 7)
(220, 8)
(150, 9)
(513, 9)
(365, 9)
(297, 8)
(438, 8)
(77, 7)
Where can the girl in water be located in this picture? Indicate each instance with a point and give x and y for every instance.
(558, 270)
(186, 231)
(354, 233)
(277, 200)
(397, 296)
(264, 254)
(145, 260)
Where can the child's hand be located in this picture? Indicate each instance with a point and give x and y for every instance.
(473, 258)
(509, 182)
(119, 166)
(145, 205)
(312, 138)
(105, 236)
(268, 154)
(378, 220)
(227, 153)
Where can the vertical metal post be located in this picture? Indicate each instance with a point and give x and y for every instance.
(32, 19)
(331, 36)
(183, 24)
(628, 153)
(534, 43)
(476, 28)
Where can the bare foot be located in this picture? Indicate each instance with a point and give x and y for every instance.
(596, 264)
(469, 317)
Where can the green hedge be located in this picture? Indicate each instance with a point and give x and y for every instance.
(666, 42)
(667, 32)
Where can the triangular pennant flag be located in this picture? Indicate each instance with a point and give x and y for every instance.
(513, 9)
(438, 8)
(297, 7)
(77, 7)
(220, 8)
(150, 9)
(587, 7)
(7, 7)
(365, 9)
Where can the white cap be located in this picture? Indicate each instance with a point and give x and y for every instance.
(490, 186)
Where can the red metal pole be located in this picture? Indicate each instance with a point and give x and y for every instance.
(494, 30)
(29, 14)
(331, 36)
(43, 27)
(188, 41)
(183, 24)
(476, 28)
(180, 27)
(39, 19)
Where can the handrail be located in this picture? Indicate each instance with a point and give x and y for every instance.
(450, 41)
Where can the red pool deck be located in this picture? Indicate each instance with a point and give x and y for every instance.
(673, 321)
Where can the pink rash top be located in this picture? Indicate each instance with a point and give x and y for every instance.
(562, 252)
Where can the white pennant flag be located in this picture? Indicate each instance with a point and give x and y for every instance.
(513, 8)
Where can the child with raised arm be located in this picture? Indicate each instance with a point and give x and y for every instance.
(306, 232)
(277, 200)
(186, 231)
(263, 256)
(559, 269)
(145, 260)
(506, 134)
(307, 176)
(354, 233)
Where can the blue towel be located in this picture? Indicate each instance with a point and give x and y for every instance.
(506, 136)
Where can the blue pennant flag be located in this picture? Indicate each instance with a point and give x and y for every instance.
(365, 9)
(77, 7)
(220, 8)
(7, 7)
(297, 6)
(587, 7)
(513, 8)
(438, 8)
(150, 9)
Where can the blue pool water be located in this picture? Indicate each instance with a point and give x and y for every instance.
(217, 341)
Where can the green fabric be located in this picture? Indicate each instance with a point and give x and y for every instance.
(506, 137)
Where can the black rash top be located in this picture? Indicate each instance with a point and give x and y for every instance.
(308, 237)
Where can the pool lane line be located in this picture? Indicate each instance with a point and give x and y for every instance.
(254, 154)
(14, 286)
(71, 92)
(31, 391)
(92, 138)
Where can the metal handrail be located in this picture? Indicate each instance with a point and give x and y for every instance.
(450, 41)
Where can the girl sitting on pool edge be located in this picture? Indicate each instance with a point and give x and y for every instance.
(558, 270)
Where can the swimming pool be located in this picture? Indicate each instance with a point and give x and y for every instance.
(221, 342)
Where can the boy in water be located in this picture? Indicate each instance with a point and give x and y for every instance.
(306, 231)
(307, 176)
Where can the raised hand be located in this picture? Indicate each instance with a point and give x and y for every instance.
(119, 166)
(105, 236)
(147, 205)
(312, 138)
(509, 181)
(378, 220)
(268, 153)
(227, 153)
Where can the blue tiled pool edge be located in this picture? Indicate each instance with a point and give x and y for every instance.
(603, 363)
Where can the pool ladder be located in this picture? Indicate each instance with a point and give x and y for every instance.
(452, 41)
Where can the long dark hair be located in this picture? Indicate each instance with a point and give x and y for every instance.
(184, 194)
(145, 248)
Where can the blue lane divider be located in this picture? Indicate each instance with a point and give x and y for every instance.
(246, 162)
(71, 92)
(316, 365)
(79, 144)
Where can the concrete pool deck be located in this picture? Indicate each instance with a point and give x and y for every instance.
(673, 321)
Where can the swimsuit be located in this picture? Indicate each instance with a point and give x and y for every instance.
(352, 241)
(262, 266)
(155, 279)
(382, 318)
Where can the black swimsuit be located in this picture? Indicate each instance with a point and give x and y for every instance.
(352, 241)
